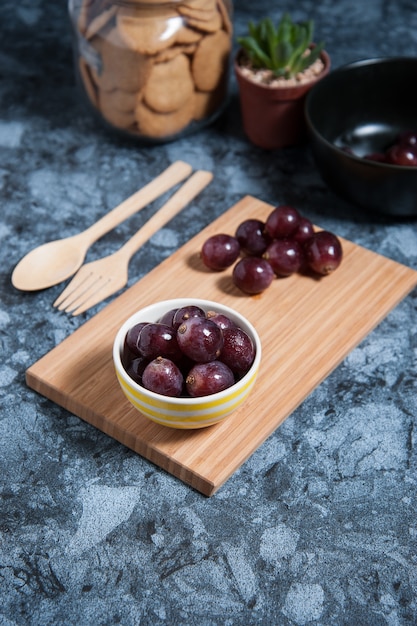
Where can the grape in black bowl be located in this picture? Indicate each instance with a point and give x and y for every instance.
(364, 106)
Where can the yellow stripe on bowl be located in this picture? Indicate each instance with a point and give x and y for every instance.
(193, 420)
(202, 403)
(207, 409)
(195, 413)
(197, 404)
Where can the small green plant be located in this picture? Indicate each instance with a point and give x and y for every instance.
(281, 49)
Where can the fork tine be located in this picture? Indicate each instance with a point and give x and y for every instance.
(80, 296)
(82, 280)
(102, 289)
(93, 283)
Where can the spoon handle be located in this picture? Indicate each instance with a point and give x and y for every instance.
(190, 189)
(173, 175)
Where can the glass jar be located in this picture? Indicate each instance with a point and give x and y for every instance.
(153, 69)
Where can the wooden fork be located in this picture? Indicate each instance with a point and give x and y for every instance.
(100, 279)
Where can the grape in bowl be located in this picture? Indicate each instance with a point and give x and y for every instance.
(354, 115)
(184, 412)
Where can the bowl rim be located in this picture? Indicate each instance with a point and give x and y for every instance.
(383, 60)
(377, 60)
(177, 303)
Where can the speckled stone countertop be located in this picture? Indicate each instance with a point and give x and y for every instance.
(319, 525)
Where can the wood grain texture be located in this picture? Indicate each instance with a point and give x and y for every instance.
(306, 326)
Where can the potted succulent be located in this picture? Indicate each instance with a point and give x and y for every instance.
(275, 67)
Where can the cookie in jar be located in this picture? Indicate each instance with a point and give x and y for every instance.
(154, 70)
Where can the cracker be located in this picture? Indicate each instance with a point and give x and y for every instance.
(198, 13)
(208, 24)
(211, 60)
(148, 34)
(201, 5)
(225, 13)
(116, 117)
(187, 35)
(121, 67)
(163, 125)
(118, 99)
(173, 51)
(169, 85)
(207, 102)
(203, 16)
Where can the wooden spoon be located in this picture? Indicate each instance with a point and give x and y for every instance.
(57, 260)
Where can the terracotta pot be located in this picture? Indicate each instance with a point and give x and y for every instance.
(273, 117)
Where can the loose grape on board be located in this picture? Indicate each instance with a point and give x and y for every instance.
(286, 243)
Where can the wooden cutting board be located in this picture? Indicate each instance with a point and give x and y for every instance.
(306, 326)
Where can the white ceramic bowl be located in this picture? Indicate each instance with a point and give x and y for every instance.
(184, 412)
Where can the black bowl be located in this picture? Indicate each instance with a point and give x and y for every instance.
(361, 108)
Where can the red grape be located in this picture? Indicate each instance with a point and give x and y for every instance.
(158, 339)
(323, 252)
(407, 138)
(253, 275)
(136, 368)
(220, 251)
(304, 230)
(402, 155)
(131, 349)
(251, 237)
(207, 378)
(184, 313)
(402, 152)
(168, 317)
(223, 321)
(283, 221)
(164, 377)
(238, 350)
(379, 157)
(285, 256)
(200, 339)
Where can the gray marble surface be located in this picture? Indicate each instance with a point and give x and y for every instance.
(319, 525)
